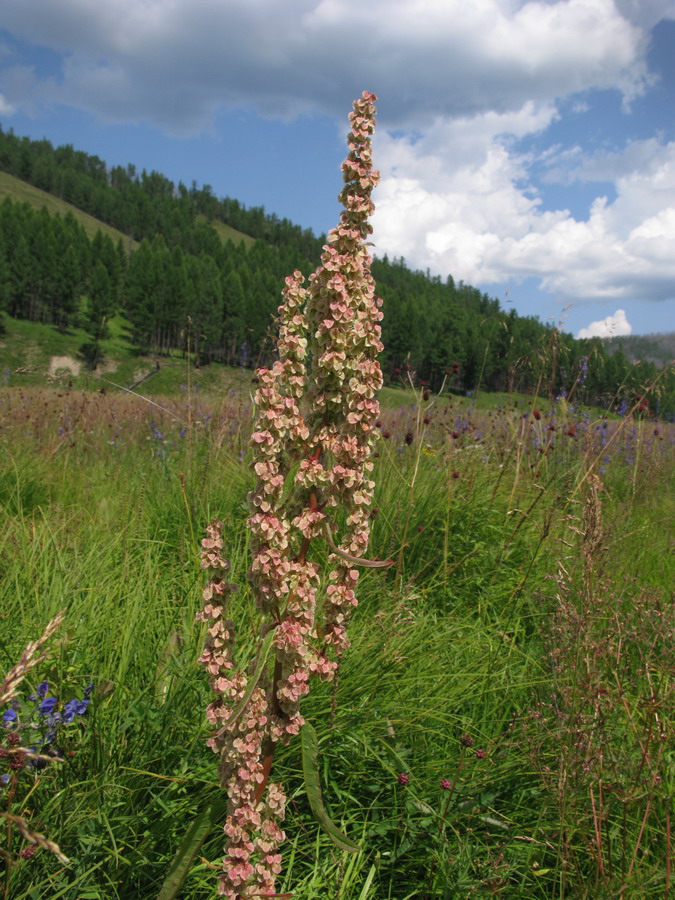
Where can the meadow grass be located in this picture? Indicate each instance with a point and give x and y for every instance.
(470, 661)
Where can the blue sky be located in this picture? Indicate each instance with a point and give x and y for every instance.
(525, 147)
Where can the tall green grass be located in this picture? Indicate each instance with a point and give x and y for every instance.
(103, 501)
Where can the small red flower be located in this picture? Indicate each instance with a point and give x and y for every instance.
(455, 474)
(536, 414)
(480, 754)
(403, 779)
(446, 784)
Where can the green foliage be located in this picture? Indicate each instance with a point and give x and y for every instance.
(456, 640)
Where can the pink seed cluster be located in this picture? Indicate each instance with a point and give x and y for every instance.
(312, 441)
(253, 832)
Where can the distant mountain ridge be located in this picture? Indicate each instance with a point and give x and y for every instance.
(658, 348)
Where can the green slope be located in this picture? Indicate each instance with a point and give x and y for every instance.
(35, 354)
(227, 232)
(21, 192)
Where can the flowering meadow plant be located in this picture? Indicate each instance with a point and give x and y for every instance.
(35, 722)
(312, 443)
(29, 728)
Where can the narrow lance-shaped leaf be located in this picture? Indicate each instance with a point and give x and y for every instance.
(189, 847)
(310, 768)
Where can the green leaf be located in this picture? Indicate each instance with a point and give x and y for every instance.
(310, 768)
(189, 847)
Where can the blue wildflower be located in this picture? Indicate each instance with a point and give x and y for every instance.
(47, 706)
(42, 689)
(9, 717)
(74, 708)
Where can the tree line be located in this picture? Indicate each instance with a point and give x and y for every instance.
(183, 288)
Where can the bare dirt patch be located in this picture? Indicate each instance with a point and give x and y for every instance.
(61, 364)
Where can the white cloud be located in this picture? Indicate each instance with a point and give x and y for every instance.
(174, 63)
(459, 200)
(612, 326)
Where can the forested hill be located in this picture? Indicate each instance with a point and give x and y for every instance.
(190, 267)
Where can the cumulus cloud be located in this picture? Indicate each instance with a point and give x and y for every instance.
(459, 200)
(174, 64)
(612, 326)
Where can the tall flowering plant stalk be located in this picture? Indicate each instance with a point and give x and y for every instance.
(312, 441)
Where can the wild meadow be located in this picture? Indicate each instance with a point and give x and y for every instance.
(502, 723)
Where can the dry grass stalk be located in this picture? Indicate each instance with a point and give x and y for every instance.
(36, 838)
(592, 534)
(32, 655)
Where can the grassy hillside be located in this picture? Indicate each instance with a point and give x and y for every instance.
(33, 354)
(227, 233)
(21, 192)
